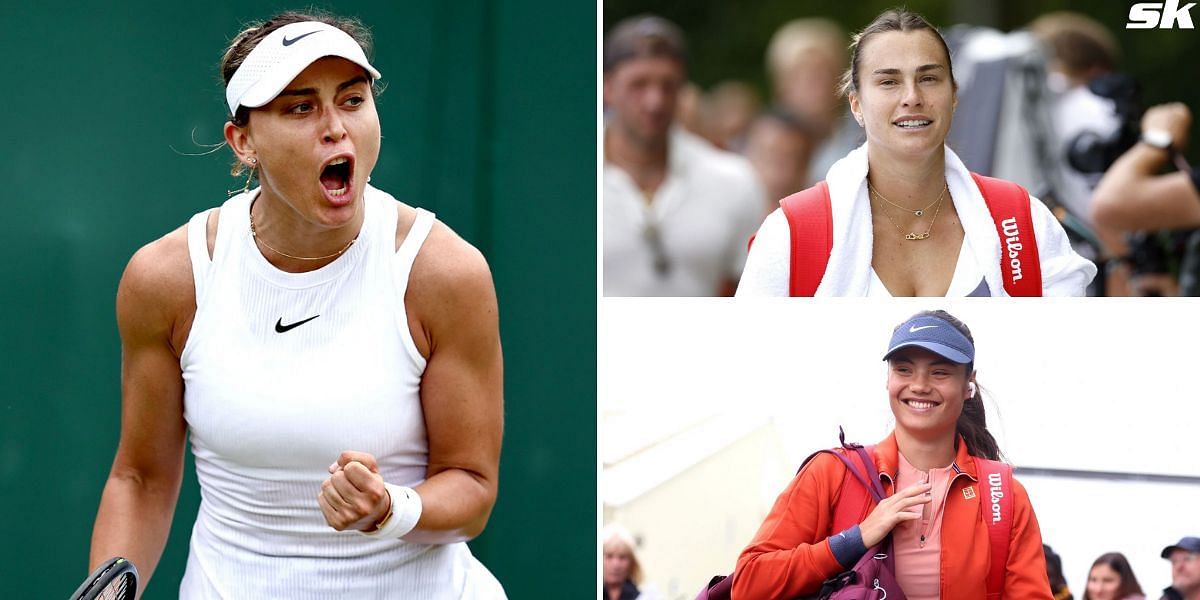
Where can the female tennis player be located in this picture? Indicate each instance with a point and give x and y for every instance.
(332, 354)
(904, 216)
(943, 485)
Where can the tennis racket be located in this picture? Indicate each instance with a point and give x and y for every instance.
(116, 579)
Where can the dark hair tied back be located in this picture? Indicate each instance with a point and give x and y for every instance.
(243, 43)
(894, 19)
(972, 423)
(246, 41)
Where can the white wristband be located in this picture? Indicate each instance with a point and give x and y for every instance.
(406, 511)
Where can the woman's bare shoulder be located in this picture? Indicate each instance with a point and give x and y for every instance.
(156, 288)
(447, 263)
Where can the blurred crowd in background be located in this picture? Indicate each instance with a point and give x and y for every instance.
(1049, 105)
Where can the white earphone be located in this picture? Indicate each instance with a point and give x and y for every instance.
(971, 388)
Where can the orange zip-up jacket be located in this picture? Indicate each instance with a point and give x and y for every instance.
(790, 555)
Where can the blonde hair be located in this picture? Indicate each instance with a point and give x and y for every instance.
(616, 536)
(801, 37)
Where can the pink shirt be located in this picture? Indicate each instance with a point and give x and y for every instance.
(917, 544)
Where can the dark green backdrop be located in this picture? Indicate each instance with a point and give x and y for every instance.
(488, 119)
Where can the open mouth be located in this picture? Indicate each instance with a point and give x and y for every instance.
(335, 177)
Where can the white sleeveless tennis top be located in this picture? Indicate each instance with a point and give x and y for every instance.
(282, 372)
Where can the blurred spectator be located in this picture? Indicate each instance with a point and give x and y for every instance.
(805, 61)
(677, 211)
(1133, 196)
(1111, 578)
(1081, 57)
(1079, 50)
(779, 148)
(1058, 582)
(689, 108)
(729, 108)
(1185, 570)
(622, 573)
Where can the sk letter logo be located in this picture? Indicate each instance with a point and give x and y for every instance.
(1160, 15)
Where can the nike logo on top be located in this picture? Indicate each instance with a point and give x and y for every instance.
(287, 42)
(914, 328)
(281, 328)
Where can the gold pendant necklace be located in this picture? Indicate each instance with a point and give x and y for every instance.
(914, 236)
(918, 212)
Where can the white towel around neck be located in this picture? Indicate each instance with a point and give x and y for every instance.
(849, 269)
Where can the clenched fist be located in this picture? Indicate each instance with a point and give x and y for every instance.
(354, 496)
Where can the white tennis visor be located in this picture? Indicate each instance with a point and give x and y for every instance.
(282, 55)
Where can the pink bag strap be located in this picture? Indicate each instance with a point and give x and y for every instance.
(997, 512)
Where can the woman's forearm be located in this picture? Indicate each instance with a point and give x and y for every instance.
(456, 505)
(133, 521)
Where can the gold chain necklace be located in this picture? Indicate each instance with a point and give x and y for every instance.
(914, 236)
(254, 234)
(918, 212)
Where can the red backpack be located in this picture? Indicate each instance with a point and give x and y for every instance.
(810, 219)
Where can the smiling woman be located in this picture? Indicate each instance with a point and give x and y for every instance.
(937, 470)
(332, 354)
(901, 215)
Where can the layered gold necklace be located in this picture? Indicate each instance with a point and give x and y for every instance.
(912, 236)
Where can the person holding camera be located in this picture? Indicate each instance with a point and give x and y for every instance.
(1134, 195)
(1080, 52)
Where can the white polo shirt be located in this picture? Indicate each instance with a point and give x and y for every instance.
(703, 214)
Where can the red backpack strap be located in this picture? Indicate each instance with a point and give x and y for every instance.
(1020, 266)
(810, 219)
(855, 497)
(997, 511)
